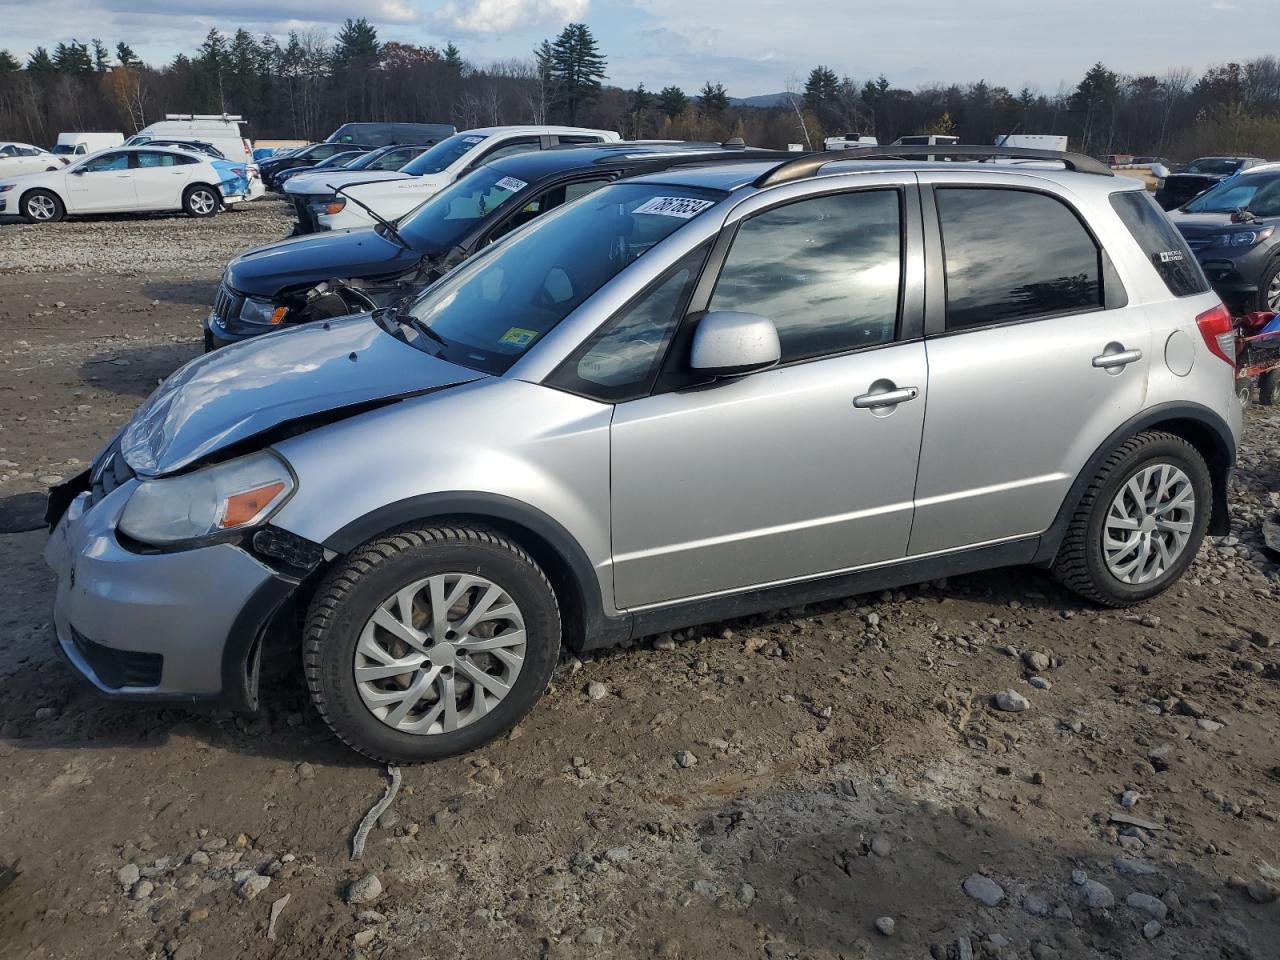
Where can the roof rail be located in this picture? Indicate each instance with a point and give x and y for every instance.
(809, 164)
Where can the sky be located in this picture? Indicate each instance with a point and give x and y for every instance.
(751, 46)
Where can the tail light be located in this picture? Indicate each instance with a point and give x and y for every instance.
(1219, 333)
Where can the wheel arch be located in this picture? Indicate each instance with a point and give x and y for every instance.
(1198, 425)
(22, 197)
(585, 622)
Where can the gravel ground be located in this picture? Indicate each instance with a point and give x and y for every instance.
(821, 782)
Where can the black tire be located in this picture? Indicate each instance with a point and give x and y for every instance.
(200, 200)
(44, 200)
(352, 591)
(1244, 392)
(1081, 564)
(1269, 276)
(1267, 388)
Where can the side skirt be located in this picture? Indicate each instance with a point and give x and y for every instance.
(730, 606)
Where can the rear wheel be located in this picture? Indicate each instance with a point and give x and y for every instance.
(1139, 524)
(200, 201)
(430, 642)
(42, 206)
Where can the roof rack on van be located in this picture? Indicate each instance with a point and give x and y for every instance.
(809, 164)
(203, 116)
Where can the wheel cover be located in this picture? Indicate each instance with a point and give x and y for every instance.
(202, 201)
(1273, 294)
(1149, 523)
(440, 653)
(41, 208)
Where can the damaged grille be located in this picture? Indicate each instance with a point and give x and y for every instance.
(306, 219)
(108, 472)
(119, 668)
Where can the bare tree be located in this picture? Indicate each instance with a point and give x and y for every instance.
(795, 97)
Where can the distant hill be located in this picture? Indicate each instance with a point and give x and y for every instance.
(765, 100)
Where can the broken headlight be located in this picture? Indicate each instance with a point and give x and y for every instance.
(210, 504)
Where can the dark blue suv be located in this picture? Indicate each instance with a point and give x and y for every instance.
(326, 275)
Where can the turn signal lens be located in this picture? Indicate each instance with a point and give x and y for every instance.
(241, 508)
(1219, 333)
(278, 314)
(335, 206)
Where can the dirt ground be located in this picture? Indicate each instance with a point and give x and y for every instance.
(788, 785)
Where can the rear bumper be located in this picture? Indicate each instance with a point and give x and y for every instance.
(166, 627)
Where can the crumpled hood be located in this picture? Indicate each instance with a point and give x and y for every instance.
(249, 387)
(314, 257)
(318, 182)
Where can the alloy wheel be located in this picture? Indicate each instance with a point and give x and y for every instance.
(1149, 523)
(41, 207)
(1273, 294)
(202, 202)
(440, 653)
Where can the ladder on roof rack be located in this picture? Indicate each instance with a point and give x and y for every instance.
(203, 116)
(809, 164)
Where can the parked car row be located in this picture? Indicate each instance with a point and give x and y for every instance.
(615, 389)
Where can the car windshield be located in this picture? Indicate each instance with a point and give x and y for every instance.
(1258, 194)
(442, 154)
(440, 221)
(1214, 166)
(489, 312)
(364, 160)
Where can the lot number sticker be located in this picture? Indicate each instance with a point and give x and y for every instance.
(682, 207)
(511, 183)
(518, 336)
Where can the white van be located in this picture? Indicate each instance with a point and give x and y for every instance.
(850, 141)
(1033, 141)
(222, 130)
(80, 144)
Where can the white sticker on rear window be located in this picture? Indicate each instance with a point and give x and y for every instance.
(472, 139)
(1170, 256)
(682, 207)
(511, 183)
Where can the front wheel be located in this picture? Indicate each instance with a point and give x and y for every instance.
(200, 201)
(1268, 297)
(429, 642)
(42, 206)
(1138, 526)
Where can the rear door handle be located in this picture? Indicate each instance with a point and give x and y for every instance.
(1109, 361)
(886, 398)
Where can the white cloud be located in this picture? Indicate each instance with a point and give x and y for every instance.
(506, 16)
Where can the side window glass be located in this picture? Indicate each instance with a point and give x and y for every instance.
(108, 161)
(1014, 255)
(620, 360)
(827, 271)
(148, 158)
(508, 150)
(547, 200)
(1165, 247)
(8, 151)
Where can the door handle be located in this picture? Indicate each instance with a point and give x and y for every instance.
(1108, 361)
(885, 398)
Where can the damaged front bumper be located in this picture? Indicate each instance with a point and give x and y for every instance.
(182, 626)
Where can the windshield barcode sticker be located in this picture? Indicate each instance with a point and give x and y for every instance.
(511, 183)
(682, 207)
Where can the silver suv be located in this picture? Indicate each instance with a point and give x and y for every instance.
(689, 396)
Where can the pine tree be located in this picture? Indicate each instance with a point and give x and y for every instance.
(101, 55)
(641, 102)
(822, 86)
(453, 59)
(8, 63)
(40, 63)
(672, 101)
(713, 98)
(207, 72)
(357, 43)
(577, 67)
(72, 58)
(126, 56)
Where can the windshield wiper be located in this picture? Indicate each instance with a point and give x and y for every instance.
(389, 225)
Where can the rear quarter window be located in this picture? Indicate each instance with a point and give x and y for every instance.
(1161, 242)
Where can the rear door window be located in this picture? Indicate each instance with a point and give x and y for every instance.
(1161, 241)
(1013, 255)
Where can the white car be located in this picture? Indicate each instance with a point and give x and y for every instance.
(16, 158)
(394, 193)
(123, 180)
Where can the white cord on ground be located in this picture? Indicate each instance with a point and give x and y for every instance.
(379, 808)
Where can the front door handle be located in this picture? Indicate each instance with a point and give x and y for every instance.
(1121, 358)
(885, 398)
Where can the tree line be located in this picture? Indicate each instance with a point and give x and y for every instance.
(306, 85)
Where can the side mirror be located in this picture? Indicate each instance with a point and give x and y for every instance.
(78, 171)
(727, 344)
